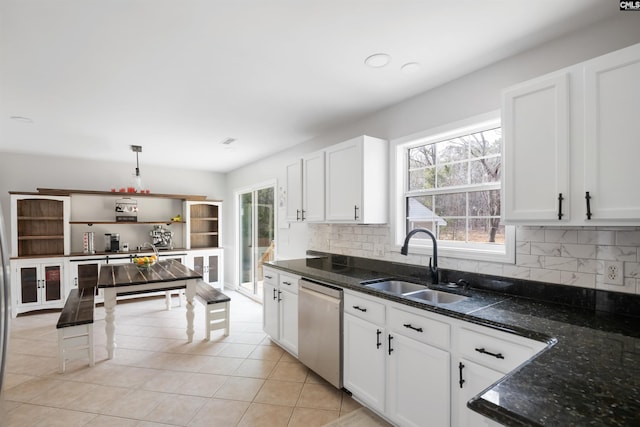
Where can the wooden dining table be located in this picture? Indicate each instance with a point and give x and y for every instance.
(129, 279)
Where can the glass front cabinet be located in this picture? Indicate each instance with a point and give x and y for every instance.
(38, 285)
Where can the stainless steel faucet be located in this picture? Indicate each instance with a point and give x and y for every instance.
(435, 279)
(155, 249)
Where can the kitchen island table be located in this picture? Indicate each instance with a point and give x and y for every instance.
(129, 279)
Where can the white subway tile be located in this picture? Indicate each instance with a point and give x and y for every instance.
(628, 238)
(548, 249)
(530, 234)
(491, 268)
(560, 236)
(523, 248)
(629, 286)
(617, 253)
(516, 272)
(596, 237)
(578, 251)
(583, 280)
(533, 261)
(632, 269)
(592, 266)
(561, 263)
(543, 275)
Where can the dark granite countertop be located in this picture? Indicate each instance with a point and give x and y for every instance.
(589, 375)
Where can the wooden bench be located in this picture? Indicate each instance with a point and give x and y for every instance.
(75, 327)
(216, 306)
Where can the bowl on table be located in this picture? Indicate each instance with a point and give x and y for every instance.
(145, 262)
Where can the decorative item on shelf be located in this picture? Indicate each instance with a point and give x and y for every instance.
(162, 238)
(126, 210)
(176, 218)
(87, 243)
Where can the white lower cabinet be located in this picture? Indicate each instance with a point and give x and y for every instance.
(280, 308)
(473, 378)
(418, 378)
(400, 377)
(484, 356)
(418, 368)
(364, 361)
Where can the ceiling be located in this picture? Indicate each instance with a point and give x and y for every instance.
(92, 77)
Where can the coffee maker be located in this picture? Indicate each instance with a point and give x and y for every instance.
(112, 242)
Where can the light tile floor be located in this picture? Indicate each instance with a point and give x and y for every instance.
(157, 378)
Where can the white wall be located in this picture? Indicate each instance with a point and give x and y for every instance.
(21, 172)
(471, 95)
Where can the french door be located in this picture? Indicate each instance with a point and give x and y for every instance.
(256, 240)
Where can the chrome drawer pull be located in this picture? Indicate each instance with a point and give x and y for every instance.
(496, 355)
(408, 325)
(358, 308)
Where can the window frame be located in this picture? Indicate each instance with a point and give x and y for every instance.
(399, 194)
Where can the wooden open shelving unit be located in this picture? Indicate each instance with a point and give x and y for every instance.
(40, 227)
(204, 232)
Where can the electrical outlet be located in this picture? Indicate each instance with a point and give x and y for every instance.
(614, 272)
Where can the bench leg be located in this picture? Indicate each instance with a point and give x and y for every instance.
(227, 306)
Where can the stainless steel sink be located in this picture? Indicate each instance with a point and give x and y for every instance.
(398, 287)
(436, 297)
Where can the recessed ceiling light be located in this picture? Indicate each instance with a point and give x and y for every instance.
(410, 67)
(377, 60)
(21, 119)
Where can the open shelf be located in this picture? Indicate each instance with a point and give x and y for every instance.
(125, 222)
(40, 227)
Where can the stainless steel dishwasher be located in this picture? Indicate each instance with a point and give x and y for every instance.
(320, 329)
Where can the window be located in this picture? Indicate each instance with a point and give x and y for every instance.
(450, 184)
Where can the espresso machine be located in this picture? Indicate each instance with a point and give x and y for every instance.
(161, 237)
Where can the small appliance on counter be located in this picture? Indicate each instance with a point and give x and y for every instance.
(112, 242)
(162, 238)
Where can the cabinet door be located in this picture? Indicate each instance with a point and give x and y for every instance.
(29, 284)
(270, 307)
(418, 376)
(313, 187)
(289, 320)
(85, 274)
(294, 191)
(612, 101)
(344, 181)
(472, 379)
(52, 283)
(536, 160)
(364, 361)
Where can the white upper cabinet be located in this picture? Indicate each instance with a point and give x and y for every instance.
(357, 181)
(570, 145)
(305, 189)
(612, 136)
(294, 191)
(313, 187)
(536, 163)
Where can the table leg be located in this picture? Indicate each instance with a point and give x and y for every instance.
(110, 317)
(190, 293)
(167, 296)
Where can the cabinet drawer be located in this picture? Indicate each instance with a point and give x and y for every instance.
(420, 328)
(270, 277)
(289, 283)
(364, 308)
(495, 352)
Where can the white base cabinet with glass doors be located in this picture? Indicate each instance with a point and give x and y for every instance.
(570, 151)
(418, 368)
(209, 263)
(280, 308)
(37, 284)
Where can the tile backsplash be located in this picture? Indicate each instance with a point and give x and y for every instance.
(572, 256)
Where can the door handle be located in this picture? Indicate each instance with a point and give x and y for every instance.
(274, 294)
(390, 348)
(496, 355)
(378, 333)
(460, 368)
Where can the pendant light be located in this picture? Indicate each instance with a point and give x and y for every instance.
(137, 179)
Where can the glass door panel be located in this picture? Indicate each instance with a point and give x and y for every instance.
(52, 283)
(29, 284)
(256, 237)
(212, 271)
(246, 243)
